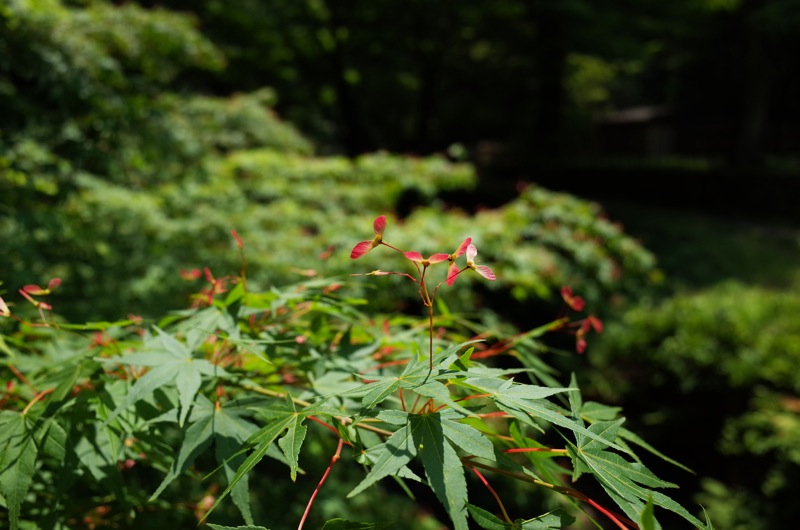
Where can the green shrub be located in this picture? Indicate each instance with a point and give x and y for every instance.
(291, 209)
(115, 174)
(543, 240)
(733, 352)
(727, 336)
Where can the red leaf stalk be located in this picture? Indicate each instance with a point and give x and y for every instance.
(494, 494)
(334, 459)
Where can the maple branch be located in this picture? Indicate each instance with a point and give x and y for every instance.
(329, 427)
(334, 459)
(303, 403)
(570, 492)
(494, 494)
(534, 450)
(36, 398)
(21, 377)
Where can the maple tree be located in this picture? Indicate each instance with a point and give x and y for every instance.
(257, 374)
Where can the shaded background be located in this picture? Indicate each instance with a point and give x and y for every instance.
(684, 103)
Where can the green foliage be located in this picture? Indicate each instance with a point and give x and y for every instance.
(542, 240)
(18, 461)
(126, 167)
(80, 81)
(243, 121)
(589, 82)
(734, 340)
(290, 209)
(116, 173)
(726, 336)
(272, 373)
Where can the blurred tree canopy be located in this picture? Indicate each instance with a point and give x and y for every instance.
(119, 167)
(141, 108)
(418, 76)
(413, 75)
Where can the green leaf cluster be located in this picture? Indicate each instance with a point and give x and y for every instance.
(114, 164)
(730, 339)
(259, 382)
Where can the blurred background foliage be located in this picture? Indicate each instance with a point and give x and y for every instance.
(135, 136)
(137, 177)
(722, 362)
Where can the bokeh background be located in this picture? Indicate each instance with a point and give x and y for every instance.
(647, 154)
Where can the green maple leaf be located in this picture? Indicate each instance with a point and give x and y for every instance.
(228, 430)
(628, 483)
(282, 417)
(171, 363)
(196, 439)
(433, 437)
(487, 520)
(395, 453)
(51, 437)
(415, 377)
(17, 462)
(203, 323)
(527, 402)
(443, 468)
(554, 520)
(594, 412)
(231, 431)
(647, 519)
(468, 439)
(292, 441)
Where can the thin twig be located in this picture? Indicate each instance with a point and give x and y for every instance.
(36, 398)
(334, 459)
(21, 377)
(575, 494)
(494, 494)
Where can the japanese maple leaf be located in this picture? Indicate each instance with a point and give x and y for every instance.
(171, 363)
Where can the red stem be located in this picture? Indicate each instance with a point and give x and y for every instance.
(533, 450)
(21, 377)
(608, 514)
(218, 404)
(564, 490)
(334, 459)
(385, 244)
(497, 414)
(416, 402)
(329, 427)
(36, 398)
(474, 396)
(494, 493)
(243, 272)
